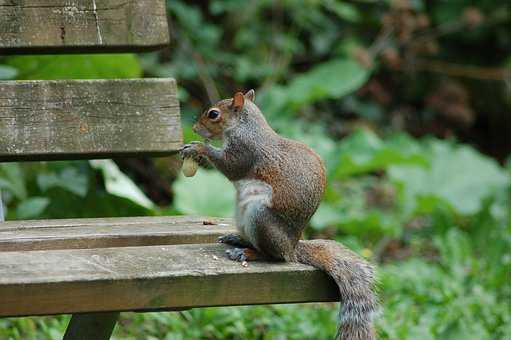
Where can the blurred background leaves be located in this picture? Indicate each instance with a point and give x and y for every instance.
(407, 102)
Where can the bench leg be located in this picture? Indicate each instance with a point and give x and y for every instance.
(91, 326)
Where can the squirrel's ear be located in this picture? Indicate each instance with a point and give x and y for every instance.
(250, 95)
(238, 101)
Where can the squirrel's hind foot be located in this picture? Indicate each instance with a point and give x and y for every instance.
(242, 254)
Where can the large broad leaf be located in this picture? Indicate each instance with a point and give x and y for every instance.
(457, 174)
(69, 179)
(76, 66)
(326, 215)
(364, 152)
(119, 184)
(332, 79)
(32, 207)
(12, 178)
(345, 11)
(7, 72)
(207, 193)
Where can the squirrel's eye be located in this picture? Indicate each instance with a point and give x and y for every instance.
(213, 114)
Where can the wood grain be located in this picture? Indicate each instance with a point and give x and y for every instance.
(109, 232)
(74, 26)
(72, 119)
(155, 277)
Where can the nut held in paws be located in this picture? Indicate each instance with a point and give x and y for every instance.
(189, 167)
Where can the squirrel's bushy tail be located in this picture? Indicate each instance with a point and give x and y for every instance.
(355, 278)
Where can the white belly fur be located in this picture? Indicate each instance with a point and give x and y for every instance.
(251, 195)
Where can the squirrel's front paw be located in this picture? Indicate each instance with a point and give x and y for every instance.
(193, 150)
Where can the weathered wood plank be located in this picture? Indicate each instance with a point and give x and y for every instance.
(110, 232)
(142, 278)
(91, 326)
(74, 119)
(74, 26)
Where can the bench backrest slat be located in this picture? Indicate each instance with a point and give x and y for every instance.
(76, 119)
(73, 26)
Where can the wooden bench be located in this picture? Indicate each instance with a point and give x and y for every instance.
(96, 268)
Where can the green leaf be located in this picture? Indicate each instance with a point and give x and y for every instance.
(364, 151)
(12, 178)
(69, 179)
(343, 10)
(8, 72)
(207, 193)
(95, 66)
(331, 79)
(458, 174)
(326, 215)
(119, 184)
(456, 250)
(32, 207)
(274, 103)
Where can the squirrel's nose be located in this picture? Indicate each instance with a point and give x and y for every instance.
(195, 127)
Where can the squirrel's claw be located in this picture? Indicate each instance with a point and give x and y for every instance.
(192, 150)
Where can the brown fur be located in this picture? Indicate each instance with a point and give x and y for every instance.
(296, 161)
(215, 128)
(294, 176)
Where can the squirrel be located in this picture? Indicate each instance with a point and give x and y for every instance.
(279, 185)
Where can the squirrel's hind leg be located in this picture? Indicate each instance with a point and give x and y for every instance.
(258, 223)
(244, 250)
(272, 236)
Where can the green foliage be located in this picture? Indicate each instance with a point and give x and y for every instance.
(118, 184)
(69, 189)
(330, 80)
(74, 66)
(207, 194)
(460, 297)
(457, 174)
(32, 207)
(70, 179)
(7, 72)
(364, 152)
(12, 179)
(254, 322)
(50, 328)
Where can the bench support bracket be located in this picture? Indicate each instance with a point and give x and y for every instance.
(91, 326)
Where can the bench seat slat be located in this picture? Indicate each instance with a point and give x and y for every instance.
(74, 26)
(109, 232)
(148, 278)
(76, 119)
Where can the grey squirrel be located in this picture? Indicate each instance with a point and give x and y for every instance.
(279, 184)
